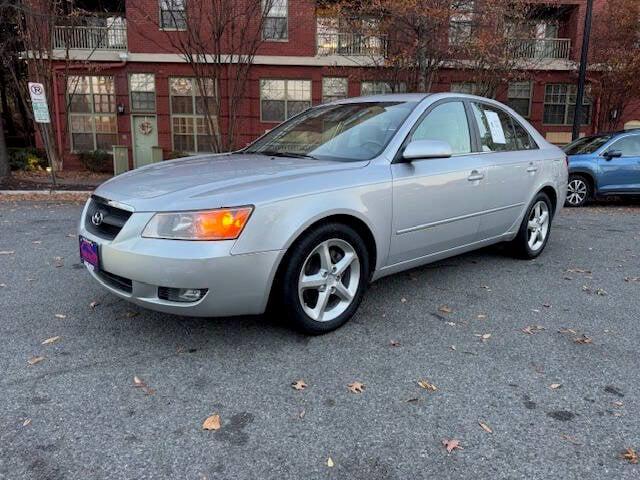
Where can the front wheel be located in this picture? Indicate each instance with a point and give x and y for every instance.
(535, 228)
(324, 278)
(578, 191)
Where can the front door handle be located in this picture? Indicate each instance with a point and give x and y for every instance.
(475, 176)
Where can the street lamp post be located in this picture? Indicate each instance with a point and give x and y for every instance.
(582, 76)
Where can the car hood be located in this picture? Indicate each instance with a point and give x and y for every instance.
(212, 181)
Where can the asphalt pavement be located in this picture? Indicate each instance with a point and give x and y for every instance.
(534, 365)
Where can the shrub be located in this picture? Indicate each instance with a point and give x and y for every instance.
(27, 159)
(97, 161)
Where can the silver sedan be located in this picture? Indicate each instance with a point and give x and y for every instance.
(309, 214)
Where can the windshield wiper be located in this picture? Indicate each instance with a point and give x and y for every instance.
(274, 153)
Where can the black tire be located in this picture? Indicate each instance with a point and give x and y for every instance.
(519, 246)
(580, 191)
(287, 299)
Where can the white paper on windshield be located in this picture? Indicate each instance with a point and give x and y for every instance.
(497, 133)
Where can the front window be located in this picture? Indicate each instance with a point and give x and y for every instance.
(520, 97)
(348, 132)
(559, 105)
(92, 113)
(461, 23)
(368, 88)
(276, 24)
(143, 92)
(586, 145)
(193, 104)
(334, 88)
(173, 15)
(283, 99)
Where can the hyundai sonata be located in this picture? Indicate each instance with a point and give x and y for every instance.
(308, 215)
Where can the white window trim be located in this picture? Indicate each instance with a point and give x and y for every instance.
(286, 110)
(131, 91)
(170, 29)
(276, 40)
(195, 116)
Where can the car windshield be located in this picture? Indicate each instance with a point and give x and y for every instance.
(586, 145)
(345, 132)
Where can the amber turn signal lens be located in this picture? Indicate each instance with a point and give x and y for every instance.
(223, 224)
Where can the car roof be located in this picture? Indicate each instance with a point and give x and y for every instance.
(387, 97)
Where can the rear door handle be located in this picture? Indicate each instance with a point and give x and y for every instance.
(532, 168)
(475, 176)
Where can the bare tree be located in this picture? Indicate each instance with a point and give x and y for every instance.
(219, 40)
(615, 62)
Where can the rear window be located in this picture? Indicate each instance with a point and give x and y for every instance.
(586, 145)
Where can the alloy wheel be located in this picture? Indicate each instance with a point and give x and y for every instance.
(577, 191)
(538, 226)
(329, 280)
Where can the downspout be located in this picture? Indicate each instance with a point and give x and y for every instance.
(56, 99)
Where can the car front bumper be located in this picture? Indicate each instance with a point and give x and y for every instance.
(236, 284)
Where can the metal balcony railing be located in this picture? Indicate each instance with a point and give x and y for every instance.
(113, 37)
(542, 48)
(351, 44)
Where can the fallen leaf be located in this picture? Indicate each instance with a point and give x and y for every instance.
(7, 252)
(212, 423)
(329, 462)
(27, 422)
(485, 427)
(578, 270)
(632, 279)
(302, 413)
(533, 329)
(427, 386)
(3, 285)
(451, 445)
(568, 330)
(483, 336)
(395, 343)
(58, 262)
(51, 340)
(35, 360)
(139, 383)
(451, 324)
(37, 242)
(583, 340)
(481, 316)
(617, 404)
(94, 304)
(445, 309)
(555, 386)
(413, 400)
(403, 300)
(452, 347)
(630, 455)
(356, 387)
(60, 315)
(573, 440)
(299, 385)
(131, 314)
(546, 305)
(601, 292)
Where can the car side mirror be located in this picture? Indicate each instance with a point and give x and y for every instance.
(612, 154)
(425, 149)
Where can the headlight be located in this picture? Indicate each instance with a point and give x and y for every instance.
(221, 224)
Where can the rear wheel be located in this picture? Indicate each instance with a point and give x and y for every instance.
(324, 278)
(535, 228)
(579, 191)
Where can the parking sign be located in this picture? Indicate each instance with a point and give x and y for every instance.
(39, 103)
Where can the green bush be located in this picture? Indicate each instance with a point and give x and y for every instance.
(27, 159)
(173, 155)
(97, 161)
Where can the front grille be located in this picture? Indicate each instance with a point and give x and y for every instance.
(116, 281)
(113, 219)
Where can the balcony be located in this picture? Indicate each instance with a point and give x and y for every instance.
(111, 37)
(351, 44)
(542, 48)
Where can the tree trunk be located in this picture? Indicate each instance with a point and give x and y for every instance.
(5, 170)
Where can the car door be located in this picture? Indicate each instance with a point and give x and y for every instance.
(436, 201)
(619, 166)
(513, 165)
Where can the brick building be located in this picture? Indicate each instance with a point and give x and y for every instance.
(133, 88)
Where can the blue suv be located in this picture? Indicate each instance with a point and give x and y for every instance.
(601, 165)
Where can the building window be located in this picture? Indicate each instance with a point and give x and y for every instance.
(472, 88)
(142, 87)
(520, 97)
(173, 14)
(282, 99)
(191, 101)
(334, 88)
(559, 105)
(461, 23)
(380, 88)
(92, 113)
(276, 25)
